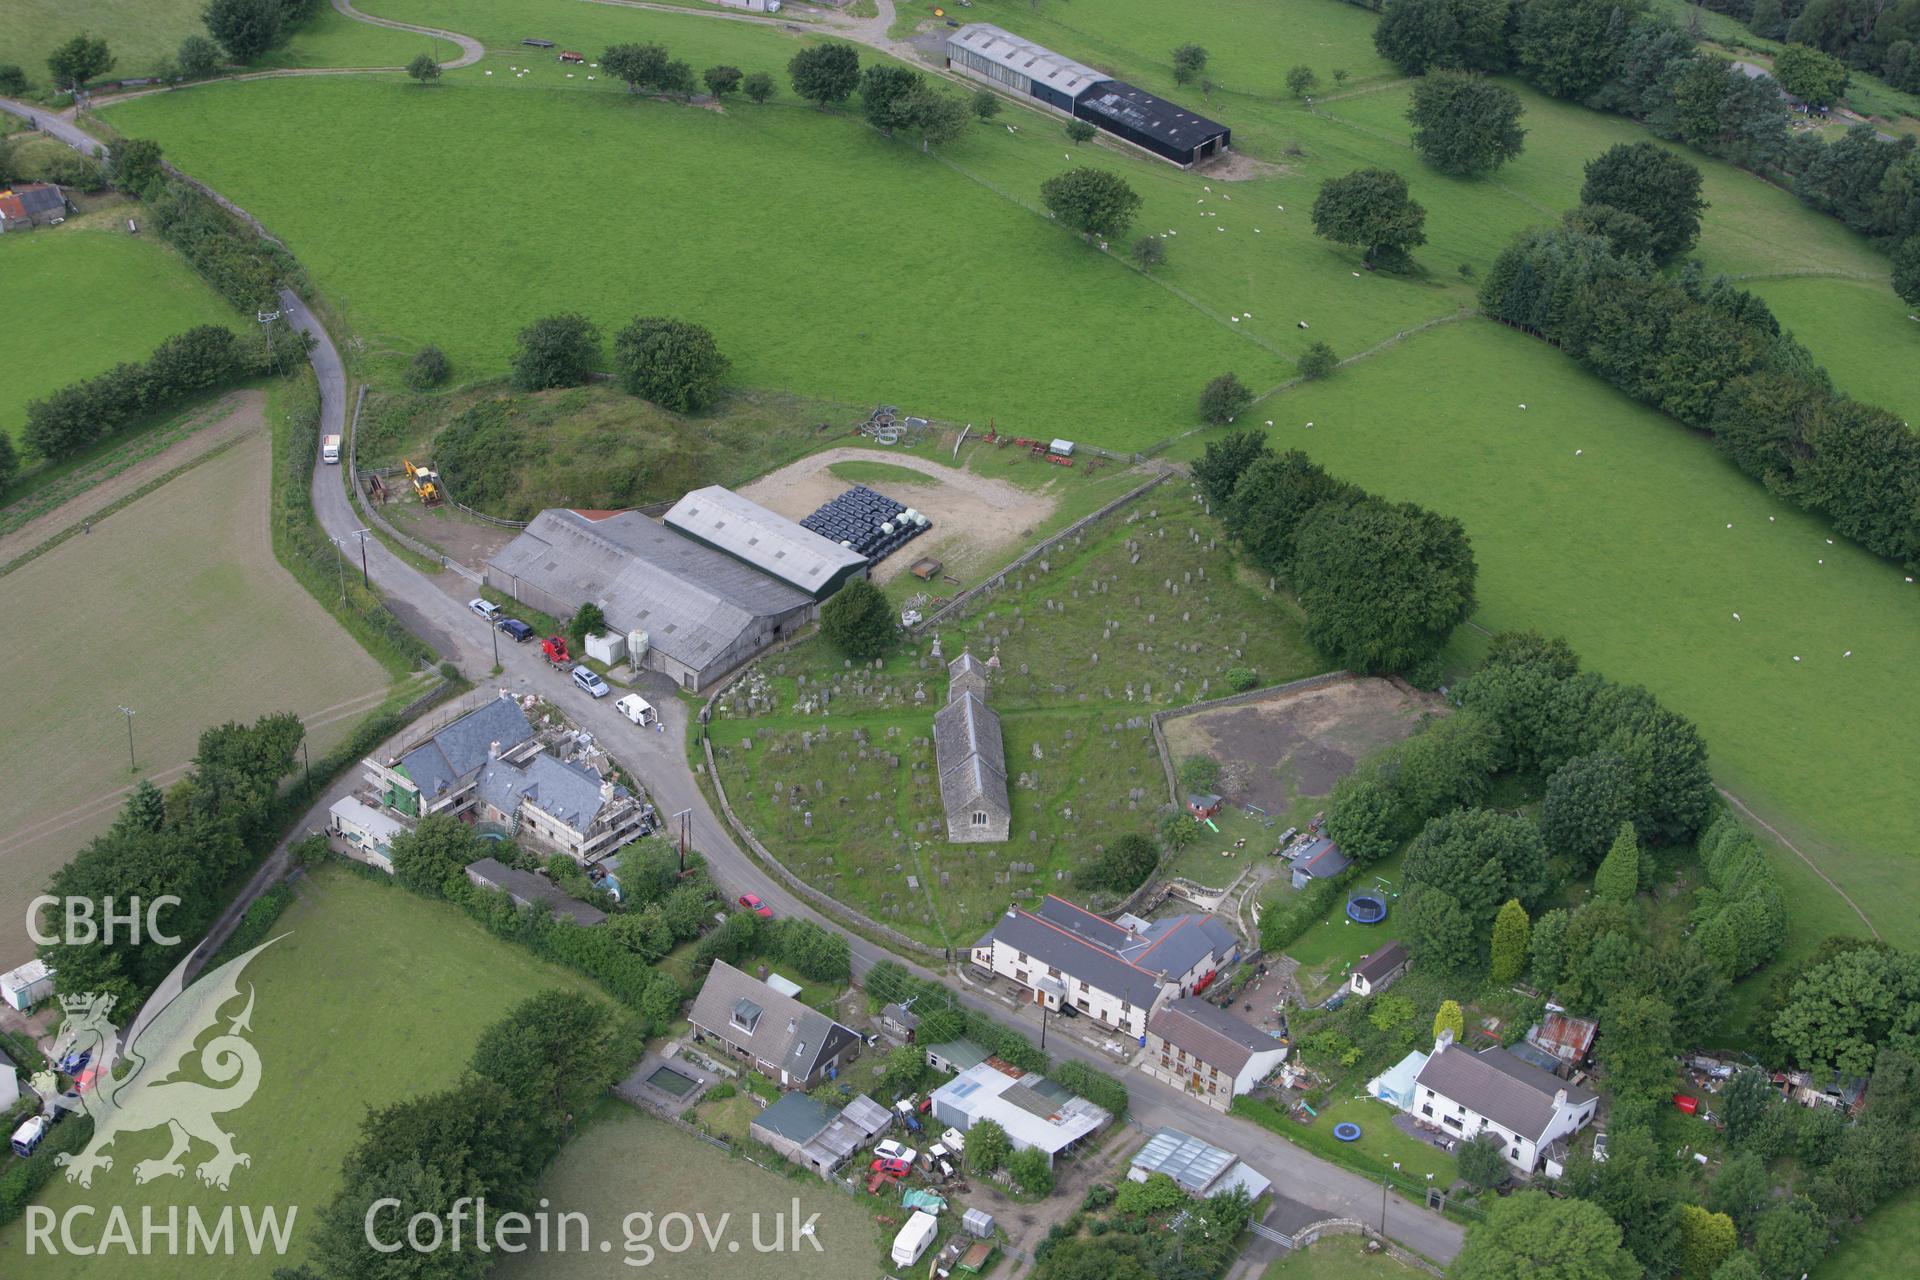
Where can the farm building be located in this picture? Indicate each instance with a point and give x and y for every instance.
(1118, 973)
(530, 890)
(971, 759)
(1378, 970)
(1163, 129)
(997, 56)
(796, 1045)
(438, 775)
(32, 204)
(1199, 1168)
(1036, 1113)
(702, 612)
(1153, 124)
(367, 832)
(898, 1023)
(720, 518)
(1207, 1051)
(812, 1134)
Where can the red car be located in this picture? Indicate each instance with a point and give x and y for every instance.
(892, 1168)
(751, 901)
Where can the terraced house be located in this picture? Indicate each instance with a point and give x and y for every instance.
(1116, 971)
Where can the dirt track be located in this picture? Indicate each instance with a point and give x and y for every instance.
(974, 518)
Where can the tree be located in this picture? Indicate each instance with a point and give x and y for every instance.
(424, 69)
(987, 1146)
(434, 854)
(1628, 234)
(1031, 1172)
(427, 369)
(722, 80)
(1637, 1047)
(78, 61)
(245, 28)
(1450, 1018)
(858, 621)
(1547, 949)
(825, 73)
(1807, 73)
(674, 363)
(1531, 1236)
(1706, 1240)
(1363, 819)
(557, 351)
(587, 620)
(1417, 35)
(940, 117)
(1189, 63)
(1906, 270)
(1158, 1193)
(1740, 1189)
(136, 164)
(1839, 1013)
(554, 1053)
(1370, 208)
(759, 87)
(986, 105)
(1317, 361)
(640, 66)
(1483, 1163)
(1465, 124)
(1653, 184)
(13, 81)
(198, 56)
(1741, 1266)
(1442, 934)
(1790, 1238)
(1079, 131)
(1301, 81)
(1383, 584)
(1273, 498)
(1199, 773)
(1224, 399)
(887, 92)
(1124, 865)
(1093, 202)
(1569, 48)
(1482, 857)
(1149, 251)
(1587, 799)
(1512, 933)
(677, 78)
(1224, 461)
(1618, 878)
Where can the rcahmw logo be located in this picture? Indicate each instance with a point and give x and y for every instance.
(79, 928)
(150, 1094)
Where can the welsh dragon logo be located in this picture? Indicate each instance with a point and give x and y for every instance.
(163, 1038)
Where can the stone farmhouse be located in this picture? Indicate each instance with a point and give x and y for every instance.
(1207, 1051)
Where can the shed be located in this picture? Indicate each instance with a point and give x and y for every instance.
(529, 890)
(1153, 124)
(1377, 971)
(977, 1222)
(1321, 859)
(27, 985)
(955, 1056)
(897, 1022)
(9, 1083)
(999, 57)
(914, 1238)
(609, 648)
(367, 830)
(1203, 805)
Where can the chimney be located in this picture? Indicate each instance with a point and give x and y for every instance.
(606, 790)
(1559, 1099)
(1441, 1041)
(493, 751)
(793, 1024)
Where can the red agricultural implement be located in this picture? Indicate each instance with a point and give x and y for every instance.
(555, 647)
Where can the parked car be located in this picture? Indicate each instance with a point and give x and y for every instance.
(27, 1137)
(517, 629)
(891, 1150)
(593, 684)
(892, 1168)
(751, 901)
(74, 1063)
(485, 608)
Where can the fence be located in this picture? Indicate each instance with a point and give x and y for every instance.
(1354, 1227)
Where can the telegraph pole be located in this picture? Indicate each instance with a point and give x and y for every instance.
(363, 534)
(131, 766)
(686, 818)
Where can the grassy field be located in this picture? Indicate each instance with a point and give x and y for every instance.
(96, 298)
(1080, 758)
(368, 998)
(618, 1169)
(1338, 1258)
(1625, 550)
(175, 607)
(1880, 1248)
(1860, 331)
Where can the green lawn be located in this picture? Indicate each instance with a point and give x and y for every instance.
(370, 997)
(1880, 1248)
(95, 298)
(634, 1178)
(1624, 549)
(1860, 331)
(1338, 1258)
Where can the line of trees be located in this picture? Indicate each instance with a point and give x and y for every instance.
(1620, 56)
(243, 267)
(1882, 38)
(202, 358)
(1383, 584)
(1713, 355)
(1740, 915)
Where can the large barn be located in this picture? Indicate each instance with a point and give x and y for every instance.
(702, 611)
(1164, 129)
(771, 543)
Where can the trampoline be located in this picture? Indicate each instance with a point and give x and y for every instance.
(1347, 1131)
(1366, 908)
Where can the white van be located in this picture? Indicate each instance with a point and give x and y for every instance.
(330, 450)
(637, 709)
(28, 1136)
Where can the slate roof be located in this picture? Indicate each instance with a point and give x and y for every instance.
(764, 539)
(693, 602)
(1098, 930)
(33, 200)
(443, 761)
(1322, 858)
(570, 792)
(1210, 1034)
(1176, 944)
(1375, 967)
(528, 889)
(1514, 1094)
(1150, 114)
(786, 1032)
(796, 1117)
(1049, 944)
(1194, 1164)
(971, 757)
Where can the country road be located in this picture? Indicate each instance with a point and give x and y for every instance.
(441, 619)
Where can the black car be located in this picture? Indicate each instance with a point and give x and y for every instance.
(519, 630)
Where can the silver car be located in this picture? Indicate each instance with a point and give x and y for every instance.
(593, 684)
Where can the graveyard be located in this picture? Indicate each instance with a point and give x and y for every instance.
(831, 762)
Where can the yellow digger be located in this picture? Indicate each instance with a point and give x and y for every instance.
(426, 485)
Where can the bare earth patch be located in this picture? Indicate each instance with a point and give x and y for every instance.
(1238, 166)
(1280, 750)
(975, 519)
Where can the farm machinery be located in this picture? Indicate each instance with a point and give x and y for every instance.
(426, 483)
(555, 650)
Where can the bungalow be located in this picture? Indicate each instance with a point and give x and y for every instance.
(1319, 859)
(1378, 970)
(772, 1032)
(530, 890)
(1466, 1094)
(1117, 972)
(1207, 1051)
